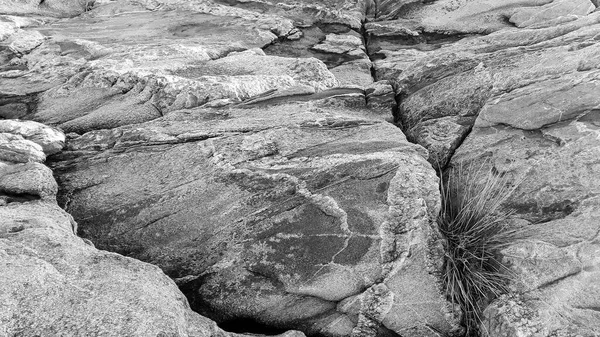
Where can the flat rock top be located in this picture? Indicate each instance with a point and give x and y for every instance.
(161, 29)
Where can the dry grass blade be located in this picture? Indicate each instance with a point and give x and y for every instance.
(473, 224)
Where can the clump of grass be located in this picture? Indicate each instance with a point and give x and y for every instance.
(88, 5)
(474, 226)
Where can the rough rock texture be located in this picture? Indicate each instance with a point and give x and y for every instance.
(22, 142)
(557, 264)
(302, 207)
(550, 71)
(558, 279)
(15, 148)
(523, 101)
(243, 148)
(551, 13)
(55, 283)
(50, 139)
(57, 8)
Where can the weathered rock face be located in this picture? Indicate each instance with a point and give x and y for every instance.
(523, 100)
(443, 90)
(531, 96)
(267, 183)
(241, 146)
(23, 147)
(556, 266)
(55, 8)
(275, 213)
(558, 276)
(55, 283)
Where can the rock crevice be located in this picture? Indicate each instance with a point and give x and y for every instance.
(244, 147)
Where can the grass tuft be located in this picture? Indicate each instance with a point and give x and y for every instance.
(474, 226)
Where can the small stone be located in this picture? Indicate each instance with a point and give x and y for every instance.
(14, 148)
(50, 139)
(25, 41)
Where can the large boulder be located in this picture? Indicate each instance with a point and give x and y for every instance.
(289, 215)
(22, 142)
(55, 283)
(270, 179)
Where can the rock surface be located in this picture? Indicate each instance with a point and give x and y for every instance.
(556, 266)
(243, 147)
(55, 283)
(525, 102)
(265, 182)
(536, 121)
(302, 208)
(56, 8)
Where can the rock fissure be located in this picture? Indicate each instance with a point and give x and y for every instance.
(264, 164)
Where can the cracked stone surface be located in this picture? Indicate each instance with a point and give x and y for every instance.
(275, 212)
(245, 148)
(556, 266)
(526, 78)
(241, 147)
(551, 147)
(54, 281)
(53, 8)
(557, 286)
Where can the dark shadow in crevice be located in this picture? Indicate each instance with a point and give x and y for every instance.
(506, 20)
(248, 325)
(189, 287)
(9, 197)
(537, 214)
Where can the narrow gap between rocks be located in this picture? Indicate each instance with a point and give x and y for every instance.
(424, 42)
(7, 197)
(366, 38)
(248, 325)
